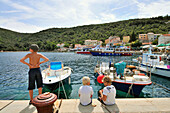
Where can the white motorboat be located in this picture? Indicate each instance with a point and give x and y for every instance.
(56, 73)
(153, 62)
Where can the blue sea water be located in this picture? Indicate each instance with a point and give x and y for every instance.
(14, 75)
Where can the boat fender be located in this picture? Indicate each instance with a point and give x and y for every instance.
(100, 78)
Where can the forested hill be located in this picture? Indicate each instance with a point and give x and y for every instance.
(47, 39)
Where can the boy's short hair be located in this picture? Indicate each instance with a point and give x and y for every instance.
(34, 47)
(86, 80)
(107, 79)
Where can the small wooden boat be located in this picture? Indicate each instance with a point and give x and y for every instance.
(132, 82)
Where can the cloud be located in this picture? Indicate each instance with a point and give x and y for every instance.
(156, 8)
(57, 14)
(18, 6)
(10, 11)
(18, 26)
(35, 15)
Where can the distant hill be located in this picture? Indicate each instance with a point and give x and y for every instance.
(47, 39)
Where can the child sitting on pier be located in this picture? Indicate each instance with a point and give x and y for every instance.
(108, 93)
(85, 92)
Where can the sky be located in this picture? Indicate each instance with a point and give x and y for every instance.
(30, 16)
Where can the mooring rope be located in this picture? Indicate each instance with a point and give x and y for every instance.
(130, 88)
(161, 86)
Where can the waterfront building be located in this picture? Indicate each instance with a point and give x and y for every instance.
(60, 45)
(148, 37)
(113, 39)
(126, 39)
(107, 41)
(92, 43)
(152, 36)
(164, 39)
(143, 37)
(156, 36)
(77, 46)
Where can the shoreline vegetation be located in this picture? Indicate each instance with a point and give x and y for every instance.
(49, 38)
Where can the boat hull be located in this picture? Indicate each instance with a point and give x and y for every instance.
(52, 76)
(124, 86)
(82, 52)
(158, 71)
(58, 84)
(135, 91)
(97, 53)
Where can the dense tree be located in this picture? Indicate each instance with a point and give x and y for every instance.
(47, 39)
(155, 42)
(132, 37)
(136, 43)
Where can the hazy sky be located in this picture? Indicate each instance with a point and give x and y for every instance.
(35, 15)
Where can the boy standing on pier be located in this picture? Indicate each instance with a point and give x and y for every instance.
(34, 72)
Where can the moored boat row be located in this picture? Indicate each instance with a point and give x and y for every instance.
(108, 51)
(126, 78)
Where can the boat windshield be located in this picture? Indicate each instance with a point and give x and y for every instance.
(55, 65)
(153, 57)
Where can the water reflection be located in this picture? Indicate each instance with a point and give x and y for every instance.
(14, 75)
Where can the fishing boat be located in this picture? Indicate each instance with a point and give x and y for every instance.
(56, 73)
(132, 82)
(111, 51)
(155, 63)
(84, 51)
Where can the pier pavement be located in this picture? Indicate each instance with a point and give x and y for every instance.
(130, 105)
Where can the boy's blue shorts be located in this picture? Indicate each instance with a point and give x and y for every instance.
(35, 75)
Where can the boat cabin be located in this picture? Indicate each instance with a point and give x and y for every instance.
(151, 59)
(122, 50)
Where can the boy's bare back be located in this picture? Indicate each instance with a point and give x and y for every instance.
(34, 60)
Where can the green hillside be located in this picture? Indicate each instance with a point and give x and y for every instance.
(47, 39)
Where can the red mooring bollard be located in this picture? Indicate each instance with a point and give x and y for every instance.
(44, 102)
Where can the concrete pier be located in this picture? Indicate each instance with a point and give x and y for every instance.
(73, 106)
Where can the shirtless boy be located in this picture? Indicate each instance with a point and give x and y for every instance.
(34, 72)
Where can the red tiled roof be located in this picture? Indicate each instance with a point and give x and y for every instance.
(166, 34)
(117, 43)
(147, 43)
